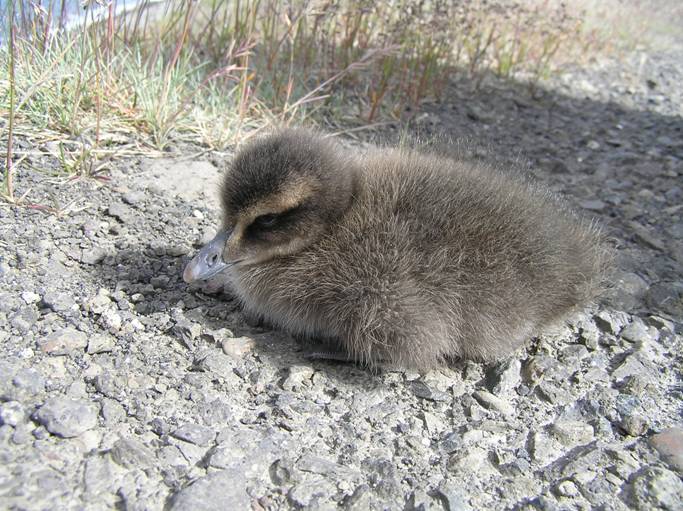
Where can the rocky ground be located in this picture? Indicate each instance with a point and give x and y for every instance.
(122, 388)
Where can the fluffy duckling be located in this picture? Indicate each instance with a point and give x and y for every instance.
(396, 255)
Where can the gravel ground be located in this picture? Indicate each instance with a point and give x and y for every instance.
(122, 388)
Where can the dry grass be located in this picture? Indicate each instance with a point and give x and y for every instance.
(215, 71)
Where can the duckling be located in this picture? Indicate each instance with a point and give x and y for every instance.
(396, 255)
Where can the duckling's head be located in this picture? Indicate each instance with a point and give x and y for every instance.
(280, 194)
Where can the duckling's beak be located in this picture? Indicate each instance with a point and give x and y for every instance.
(209, 261)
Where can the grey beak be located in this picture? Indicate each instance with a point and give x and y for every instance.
(208, 261)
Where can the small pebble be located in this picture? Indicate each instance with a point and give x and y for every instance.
(238, 347)
(63, 342)
(66, 417)
(12, 413)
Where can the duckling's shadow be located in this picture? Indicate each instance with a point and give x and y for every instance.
(151, 279)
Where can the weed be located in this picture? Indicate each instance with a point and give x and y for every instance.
(8, 175)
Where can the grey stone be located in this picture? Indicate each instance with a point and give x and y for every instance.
(66, 417)
(195, 434)
(100, 343)
(669, 444)
(298, 376)
(218, 335)
(611, 322)
(311, 492)
(171, 456)
(191, 452)
(99, 303)
(572, 433)
(434, 423)
(63, 342)
(120, 211)
(592, 205)
(159, 281)
(12, 413)
(29, 380)
(94, 255)
(281, 472)
(29, 297)
(215, 492)
(110, 384)
(450, 495)
(536, 367)
(474, 112)
(634, 424)
(473, 371)
(554, 393)
(635, 365)
(111, 320)
(471, 459)
(646, 237)
(636, 331)
(238, 347)
(625, 463)
(574, 352)
(22, 433)
(491, 402)
(133, 197)
(636, 385)
(99, 476)
(661, 323)
(248, 448)
(419, 500)
(112, 411)
(4, 270)
(59, 301)
(544, 449)
(334, 471)
(130, 453)
(658, 488)
(666, 297)
(506, 377)
(361, 499)
(424, 391)
(175, 180)
(22, 322)
(627, 404)
(177, 250)
(590, 335)
(187, 331)
(567, 489)
(218, 363)
(226, 456)
(40, 433)
(6, 432)
(628, 292)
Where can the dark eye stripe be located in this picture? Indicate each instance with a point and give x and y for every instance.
(265, 221)
(271, 221)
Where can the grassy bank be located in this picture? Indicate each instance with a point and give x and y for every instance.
(215, 71)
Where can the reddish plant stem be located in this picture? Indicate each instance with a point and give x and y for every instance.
(9, 185)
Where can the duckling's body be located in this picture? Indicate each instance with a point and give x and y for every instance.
(420, 258)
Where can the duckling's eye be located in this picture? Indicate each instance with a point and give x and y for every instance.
(265, 221)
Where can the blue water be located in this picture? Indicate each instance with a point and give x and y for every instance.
(74, 13)
(72, 8)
